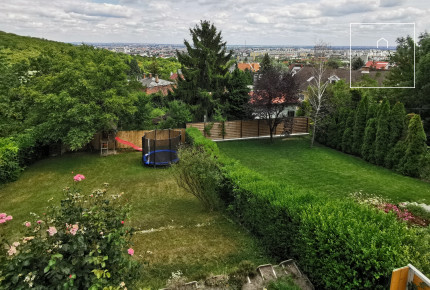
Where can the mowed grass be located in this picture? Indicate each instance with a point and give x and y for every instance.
(322, 169)
(185, 237)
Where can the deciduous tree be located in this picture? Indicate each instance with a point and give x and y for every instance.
(274, 91)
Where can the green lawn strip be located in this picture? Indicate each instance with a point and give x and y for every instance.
(322, 169)
(199, 242)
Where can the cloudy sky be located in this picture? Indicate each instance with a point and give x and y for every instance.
(257, 22)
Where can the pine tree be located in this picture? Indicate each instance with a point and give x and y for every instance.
(397, 123)
(266, 63)
(360, 125)
(235, 101)
(368, 149)
(347, 138)
(372, 111)
(416, 148)
(204, 66)
(382, 133)
(332, 132)
(341, 125)
(397, 132)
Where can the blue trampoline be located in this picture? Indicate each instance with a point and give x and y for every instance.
(161, 157)
(159, 147)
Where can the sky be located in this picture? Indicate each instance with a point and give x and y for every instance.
(251, 22)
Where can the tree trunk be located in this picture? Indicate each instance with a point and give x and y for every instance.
(313, 132)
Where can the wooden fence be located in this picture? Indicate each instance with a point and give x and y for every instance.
(134, 137)
(247, 129)
(400, 279)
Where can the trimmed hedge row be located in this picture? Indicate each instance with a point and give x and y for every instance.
(339, 244)
(9, 161)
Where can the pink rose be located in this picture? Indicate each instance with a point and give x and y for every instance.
(74, 229)
(28, 224)
(130, 252)
(122, 222)
(39, 222)
(11, 251)
(52, 231)
(2, 215)
(79, 177)
(8, 218)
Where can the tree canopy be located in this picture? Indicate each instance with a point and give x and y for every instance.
(204, 66)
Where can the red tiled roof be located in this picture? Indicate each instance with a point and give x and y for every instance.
(249, 66)
(376, 64)
(258, 97)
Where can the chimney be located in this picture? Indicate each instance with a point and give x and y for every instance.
(156, 78)
(150, 75)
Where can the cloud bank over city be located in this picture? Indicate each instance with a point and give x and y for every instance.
(167, 21)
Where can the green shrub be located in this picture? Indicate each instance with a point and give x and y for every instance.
(338, 243)
(368, 147)
(382, 133)
(195, 137)
(412, 161)
(82, 244)
(199, 174)
(360, 125)
(238, 276)
(348, 134)
(9, 163)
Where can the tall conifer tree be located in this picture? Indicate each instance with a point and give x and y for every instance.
(204, 66)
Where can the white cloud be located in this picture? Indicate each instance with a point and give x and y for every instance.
(256, 18)
(167, 21)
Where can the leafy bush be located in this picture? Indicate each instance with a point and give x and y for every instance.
(195, 137)
(82, 244)
(238, 276)
(340, 244)
(198, 173)
(416, 148)
(383, 136)
(9, 163)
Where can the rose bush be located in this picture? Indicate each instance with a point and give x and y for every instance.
(81, 244)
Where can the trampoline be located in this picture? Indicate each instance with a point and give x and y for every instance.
(159, 147)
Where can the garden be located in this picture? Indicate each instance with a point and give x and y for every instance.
(341, 238)
(171, 230)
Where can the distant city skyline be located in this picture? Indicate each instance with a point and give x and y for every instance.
(284, 23)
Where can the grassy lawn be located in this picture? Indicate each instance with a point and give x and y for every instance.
(322, 169)
(185, 236)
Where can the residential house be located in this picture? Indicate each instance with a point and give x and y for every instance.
(152, 85)
(376, 65)
(253, 67)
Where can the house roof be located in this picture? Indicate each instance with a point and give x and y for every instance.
(254, 97)
(255, 66)
(377, 64)
(150, 82)
(304, 76)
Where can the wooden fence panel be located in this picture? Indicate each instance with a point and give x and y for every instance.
(232, 129)
(248, 128)
(399, 278)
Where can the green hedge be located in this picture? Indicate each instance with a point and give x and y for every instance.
(195, 137)
(9, 163)
(338, 243)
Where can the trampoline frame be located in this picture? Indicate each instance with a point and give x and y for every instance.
(146, 154)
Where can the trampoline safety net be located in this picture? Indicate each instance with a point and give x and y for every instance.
(160, 147)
